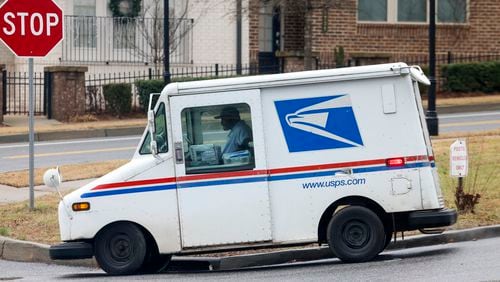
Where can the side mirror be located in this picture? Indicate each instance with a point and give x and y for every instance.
(52, 178)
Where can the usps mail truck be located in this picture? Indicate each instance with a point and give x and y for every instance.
(339, 157)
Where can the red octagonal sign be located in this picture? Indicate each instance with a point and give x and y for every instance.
(31, 28)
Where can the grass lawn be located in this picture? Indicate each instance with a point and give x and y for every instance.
(20, 178)
(484, 178)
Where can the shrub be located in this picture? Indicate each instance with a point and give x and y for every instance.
(146, 87)
(118, 98)
(471, 77)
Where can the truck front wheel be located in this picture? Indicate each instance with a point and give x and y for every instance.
(120, 249)
(356, 234)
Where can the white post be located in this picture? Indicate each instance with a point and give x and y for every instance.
(31, 135)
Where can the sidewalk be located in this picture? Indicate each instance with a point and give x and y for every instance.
(48, 130)
(11, 194)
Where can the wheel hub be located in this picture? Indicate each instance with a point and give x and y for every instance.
(120, 248)
(356, 234)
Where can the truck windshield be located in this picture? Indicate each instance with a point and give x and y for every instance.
(160, 136)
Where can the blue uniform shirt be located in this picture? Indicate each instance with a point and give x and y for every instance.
(237, 136)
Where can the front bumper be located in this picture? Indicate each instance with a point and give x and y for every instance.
(72, 250)
(432, 219)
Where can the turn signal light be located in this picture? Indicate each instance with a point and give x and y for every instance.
(395, 162)
(85, 206)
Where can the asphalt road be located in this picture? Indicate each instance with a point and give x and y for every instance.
(463, 122)
(465, 261)
(52, 153)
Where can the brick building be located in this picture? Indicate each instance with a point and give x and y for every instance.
(371, 31)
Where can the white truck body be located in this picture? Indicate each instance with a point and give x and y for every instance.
(321, 140)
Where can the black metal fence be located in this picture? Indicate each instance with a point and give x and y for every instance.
(125, 40)
(15, 84)
(95, 102)
(420, 59)
(16, 93)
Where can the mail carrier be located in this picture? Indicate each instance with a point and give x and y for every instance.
(339, 157)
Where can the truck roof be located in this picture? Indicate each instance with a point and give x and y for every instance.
(285, 79)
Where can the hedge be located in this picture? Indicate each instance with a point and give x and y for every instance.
(146, 87)
(472, 77)
(118, 98)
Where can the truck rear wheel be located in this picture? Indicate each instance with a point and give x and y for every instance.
(356, 234)
(120, 249)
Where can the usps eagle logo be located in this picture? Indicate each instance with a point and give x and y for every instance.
(319, 123)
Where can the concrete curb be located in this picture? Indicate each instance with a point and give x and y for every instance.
(64, 135)
(24, 251)
(325, 253)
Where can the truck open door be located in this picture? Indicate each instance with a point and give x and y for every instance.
(221, 188)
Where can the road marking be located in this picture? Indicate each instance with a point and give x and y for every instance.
(37, 144)
(72, 153)
(481, 114)
(484, 122)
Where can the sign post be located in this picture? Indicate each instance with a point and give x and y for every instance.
(31, 29)
(31, 135)
(459, 165)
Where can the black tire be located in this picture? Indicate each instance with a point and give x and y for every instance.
(120, 249)
(388, 239)
(154, 262)
(356, 234)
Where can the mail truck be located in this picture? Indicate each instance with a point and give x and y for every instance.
(339, 157)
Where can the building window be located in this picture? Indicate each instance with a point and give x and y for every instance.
(124, 33)
(84, 24)
(412, 10)
(266, 28)
(452, 11)
(372, 10)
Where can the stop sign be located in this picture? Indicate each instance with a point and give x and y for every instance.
(31, 28)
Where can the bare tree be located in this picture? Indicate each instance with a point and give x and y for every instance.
(149, 26)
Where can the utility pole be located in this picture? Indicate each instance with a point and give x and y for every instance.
(166, 42)
(431, 114)
(238, 36)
